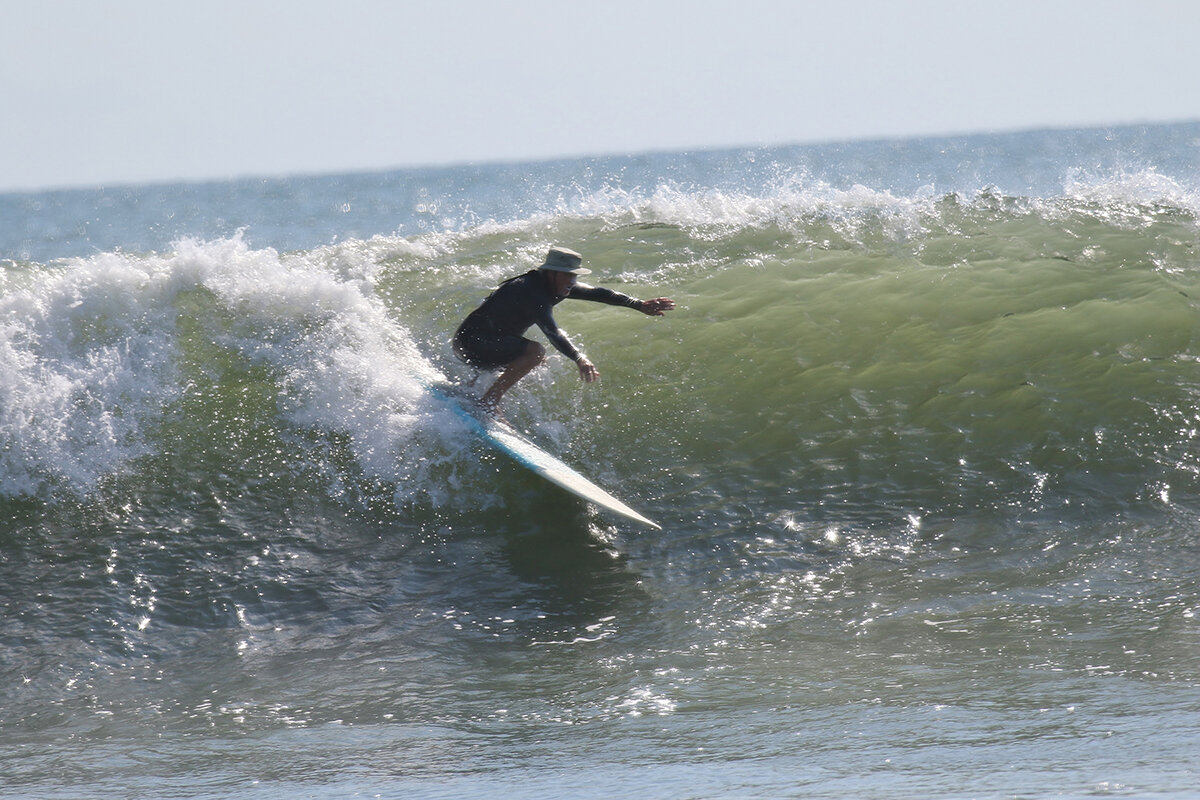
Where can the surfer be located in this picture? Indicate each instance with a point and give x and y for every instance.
(492, 336)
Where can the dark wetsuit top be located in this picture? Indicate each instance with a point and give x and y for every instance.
(493, 335)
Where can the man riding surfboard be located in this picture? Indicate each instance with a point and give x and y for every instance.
(492, 336)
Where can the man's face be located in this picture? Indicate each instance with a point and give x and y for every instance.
(563, 281)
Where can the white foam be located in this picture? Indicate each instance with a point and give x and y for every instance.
(89, 357)
(1146, 187)
(85, 362)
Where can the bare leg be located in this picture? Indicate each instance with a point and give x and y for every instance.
(521, 366)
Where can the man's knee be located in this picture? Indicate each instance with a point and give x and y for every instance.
(535, 351)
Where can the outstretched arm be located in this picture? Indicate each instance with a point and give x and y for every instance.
(599, 294)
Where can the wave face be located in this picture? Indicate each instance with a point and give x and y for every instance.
(947, 353)
(921, 433)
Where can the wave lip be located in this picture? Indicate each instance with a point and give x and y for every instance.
(99, 354)
(85, 362)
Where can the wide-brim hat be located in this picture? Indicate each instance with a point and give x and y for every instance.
(560, 259)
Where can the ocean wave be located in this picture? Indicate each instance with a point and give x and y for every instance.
(981, 334)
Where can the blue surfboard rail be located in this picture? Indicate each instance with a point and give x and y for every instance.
(537, 460)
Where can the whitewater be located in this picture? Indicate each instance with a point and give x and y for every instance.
(922, 435)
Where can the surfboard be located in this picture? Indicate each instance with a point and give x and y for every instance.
(537, 460)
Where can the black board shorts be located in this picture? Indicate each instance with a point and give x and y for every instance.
(488, 351)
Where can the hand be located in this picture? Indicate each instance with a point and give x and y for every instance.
(656, 307)
(587, 370)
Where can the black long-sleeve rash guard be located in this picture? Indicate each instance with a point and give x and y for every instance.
(527, 300)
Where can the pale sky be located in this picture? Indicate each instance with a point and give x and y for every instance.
(131, 91)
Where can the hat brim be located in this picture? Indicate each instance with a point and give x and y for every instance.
(574, 271)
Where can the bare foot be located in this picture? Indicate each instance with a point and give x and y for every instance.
(492, 410)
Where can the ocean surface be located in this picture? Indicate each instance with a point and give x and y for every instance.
(923, 435)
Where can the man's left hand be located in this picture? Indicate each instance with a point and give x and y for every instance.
(587, 370)
(656, 307)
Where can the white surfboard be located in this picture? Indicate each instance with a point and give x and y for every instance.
(534, 458)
